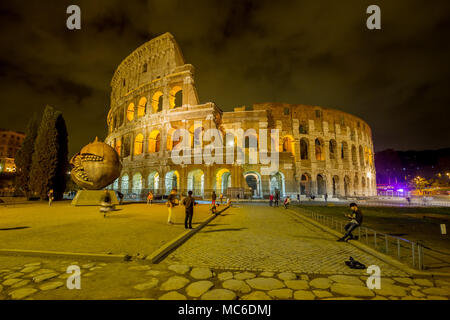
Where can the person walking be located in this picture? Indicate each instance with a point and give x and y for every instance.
(150, 198)
(51, 197)
(120, 194)
(326, 197)
(271, 200)
(189, 204)
(298, 198)
(213, 197)
(171, 203)
(356, 219)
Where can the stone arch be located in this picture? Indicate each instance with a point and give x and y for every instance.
(354, 156)
(172, 181)
(356, 184)
(361, 156)
(289, 144)
(139, 144)
(363, 186)
(154, 141)
(157, 102)
(196, 182)
(137, 183)
(321, 185)
(253, 180)
(130, 112)
(176, 97)
(124, 185)
(142, 105)
(320, 152)
(344, 151)
(305, 184)
(170, 144)
(333, 149)
(336, 186)
(223, 180)
(347, 186)
(153, 181)
(277, 182)
(304, 149)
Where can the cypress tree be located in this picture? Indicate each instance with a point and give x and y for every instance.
(23, 158)
(49, 161)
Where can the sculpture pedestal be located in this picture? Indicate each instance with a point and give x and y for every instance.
(93, 197)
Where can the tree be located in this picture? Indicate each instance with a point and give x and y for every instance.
(23, 158)
(420, 183)
(49, 161)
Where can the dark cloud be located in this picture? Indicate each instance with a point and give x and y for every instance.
(311, 52)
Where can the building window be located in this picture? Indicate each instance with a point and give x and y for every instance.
(286, 111)
(303, 129)
(123, 83)
(318, 113)
(144, 68)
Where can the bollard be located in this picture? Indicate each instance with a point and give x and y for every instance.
(419, 256)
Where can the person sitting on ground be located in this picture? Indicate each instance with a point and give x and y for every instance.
(287, 200)
(356, 219)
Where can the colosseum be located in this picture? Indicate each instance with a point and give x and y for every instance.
(321, 151)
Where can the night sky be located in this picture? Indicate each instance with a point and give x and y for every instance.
(310, 52)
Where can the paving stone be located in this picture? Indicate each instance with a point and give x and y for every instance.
(439, 283)
(64, 276)
(417, 293)
(347, 280)
(138, 268)
(147, 285)
(95, 268)
(266, 274)
(342, 298)
(154, 273)
(10, 282)
(5, 271)
(256, 295)
(282, 294)
(1, 288)
(88, 265)
(352, 290)
(385, 280)
(266, 283)
(415, 287)
(219, 294)
(297, 284)
(287, 276)
(436, 292)
(225, 276)
(391, 290)
(380, 298)
(13, 275)
(320, 283)
(30, 269)
(173, 295)
(423, 282)
(407, 281)
(411, 298)
(304, 295)
(236, 285)
(21, 293)
(244, 275)
(201, 273)
(436, 298)
(304, 277)
(43, 277)
(104, 265)
(21, 283)
(174, 283)
(197, 289)
(39, 272)
(51, 285)
(34, 264)
(322, 294)
(179, 268)
(89, 274)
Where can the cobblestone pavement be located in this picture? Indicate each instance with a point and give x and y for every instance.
(36, 279)
(262, 238)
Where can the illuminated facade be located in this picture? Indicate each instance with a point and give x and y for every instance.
(10, 142)
(321, 150)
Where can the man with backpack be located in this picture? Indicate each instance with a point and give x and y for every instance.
(189, 204)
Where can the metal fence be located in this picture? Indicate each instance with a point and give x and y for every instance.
(404, 250)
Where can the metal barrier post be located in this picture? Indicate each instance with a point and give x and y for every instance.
(419, 256)
(413, 260)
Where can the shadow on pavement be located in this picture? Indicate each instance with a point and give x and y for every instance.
(14, 228)
(228, 229)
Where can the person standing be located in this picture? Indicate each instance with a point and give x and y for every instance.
(221, 198)
(298, 198)
(271, 200)
(356, 219)
(150, 198)
(189, 204)
(277, 197)
(51, 197)
(326, 197)
(171, 203)
(213, 197)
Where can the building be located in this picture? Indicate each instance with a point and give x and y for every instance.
(321, 150)
(10, 142)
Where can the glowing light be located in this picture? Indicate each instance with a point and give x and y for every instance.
(369, 175)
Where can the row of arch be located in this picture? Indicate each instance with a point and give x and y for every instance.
(338, 186)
